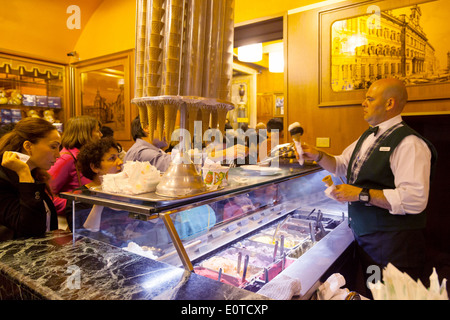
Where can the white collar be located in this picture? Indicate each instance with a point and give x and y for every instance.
(382, 127)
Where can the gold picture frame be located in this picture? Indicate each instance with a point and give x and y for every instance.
(102, 89)
(380, 14)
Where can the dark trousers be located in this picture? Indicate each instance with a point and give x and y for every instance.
(403, 249)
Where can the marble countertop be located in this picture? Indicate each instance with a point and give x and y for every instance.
(55, 268)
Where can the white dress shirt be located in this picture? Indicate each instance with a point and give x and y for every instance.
(410, 163)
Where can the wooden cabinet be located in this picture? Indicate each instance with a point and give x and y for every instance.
(271, 105)
(31, 88)
(264, 107)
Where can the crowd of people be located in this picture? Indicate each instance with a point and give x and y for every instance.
(38, 163)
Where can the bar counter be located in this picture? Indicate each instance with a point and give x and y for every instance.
(53, 268)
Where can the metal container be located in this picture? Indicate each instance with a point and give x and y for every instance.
(180, 180)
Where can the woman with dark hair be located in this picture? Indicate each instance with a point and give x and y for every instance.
(146, 150)
(78, 131)
(26, 153)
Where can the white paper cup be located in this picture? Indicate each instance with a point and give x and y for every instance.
(215, 176)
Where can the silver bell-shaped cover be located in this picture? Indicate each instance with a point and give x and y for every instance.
(181, 179)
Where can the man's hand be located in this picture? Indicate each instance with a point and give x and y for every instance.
(346, 193)
(309, 152)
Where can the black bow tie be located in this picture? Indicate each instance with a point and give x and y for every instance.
(373, 129)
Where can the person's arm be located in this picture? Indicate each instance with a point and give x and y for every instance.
(60, 172)
(349, 193)
(162, 161)
(22, 208)
(325, 160)
(233, 152)
(410, 164)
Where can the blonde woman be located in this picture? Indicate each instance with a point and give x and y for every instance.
(78, 131)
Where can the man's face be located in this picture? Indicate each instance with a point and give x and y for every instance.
(375, 105)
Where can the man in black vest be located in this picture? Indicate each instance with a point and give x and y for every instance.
(388, 173)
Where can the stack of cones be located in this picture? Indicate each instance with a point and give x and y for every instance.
(224, 90)
(194, 48)
(140, 48)
(153, 51)
(183, 48)
(170, 116)
(140, 57)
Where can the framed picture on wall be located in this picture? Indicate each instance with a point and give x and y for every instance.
(363, 42)
(279, 104)
(102, 90)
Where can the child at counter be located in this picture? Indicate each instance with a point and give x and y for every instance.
(102, 157)
(94, 160)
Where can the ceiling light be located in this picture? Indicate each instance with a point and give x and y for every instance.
(276, 61)
(250, 53)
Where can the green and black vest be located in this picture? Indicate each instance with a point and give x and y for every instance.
(376, 173)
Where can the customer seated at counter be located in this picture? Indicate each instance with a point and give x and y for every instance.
(145, 150)
(26, 205)
(274, 127)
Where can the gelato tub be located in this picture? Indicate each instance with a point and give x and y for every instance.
(229, 267)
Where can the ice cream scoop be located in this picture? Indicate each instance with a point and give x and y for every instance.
(296, 132)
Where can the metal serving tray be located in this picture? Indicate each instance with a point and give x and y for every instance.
(151, 203)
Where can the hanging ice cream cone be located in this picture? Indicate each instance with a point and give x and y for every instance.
(143, 114)
(160, 122)
(152, 120)
(170, 117)
(221, 116)
(214, 118)
(206, 114)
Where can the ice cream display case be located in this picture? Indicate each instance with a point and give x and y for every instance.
(258, 226)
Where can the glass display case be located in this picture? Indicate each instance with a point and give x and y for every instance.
(31, 88)
(243, 234)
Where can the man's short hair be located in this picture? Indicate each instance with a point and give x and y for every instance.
(275, 124)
